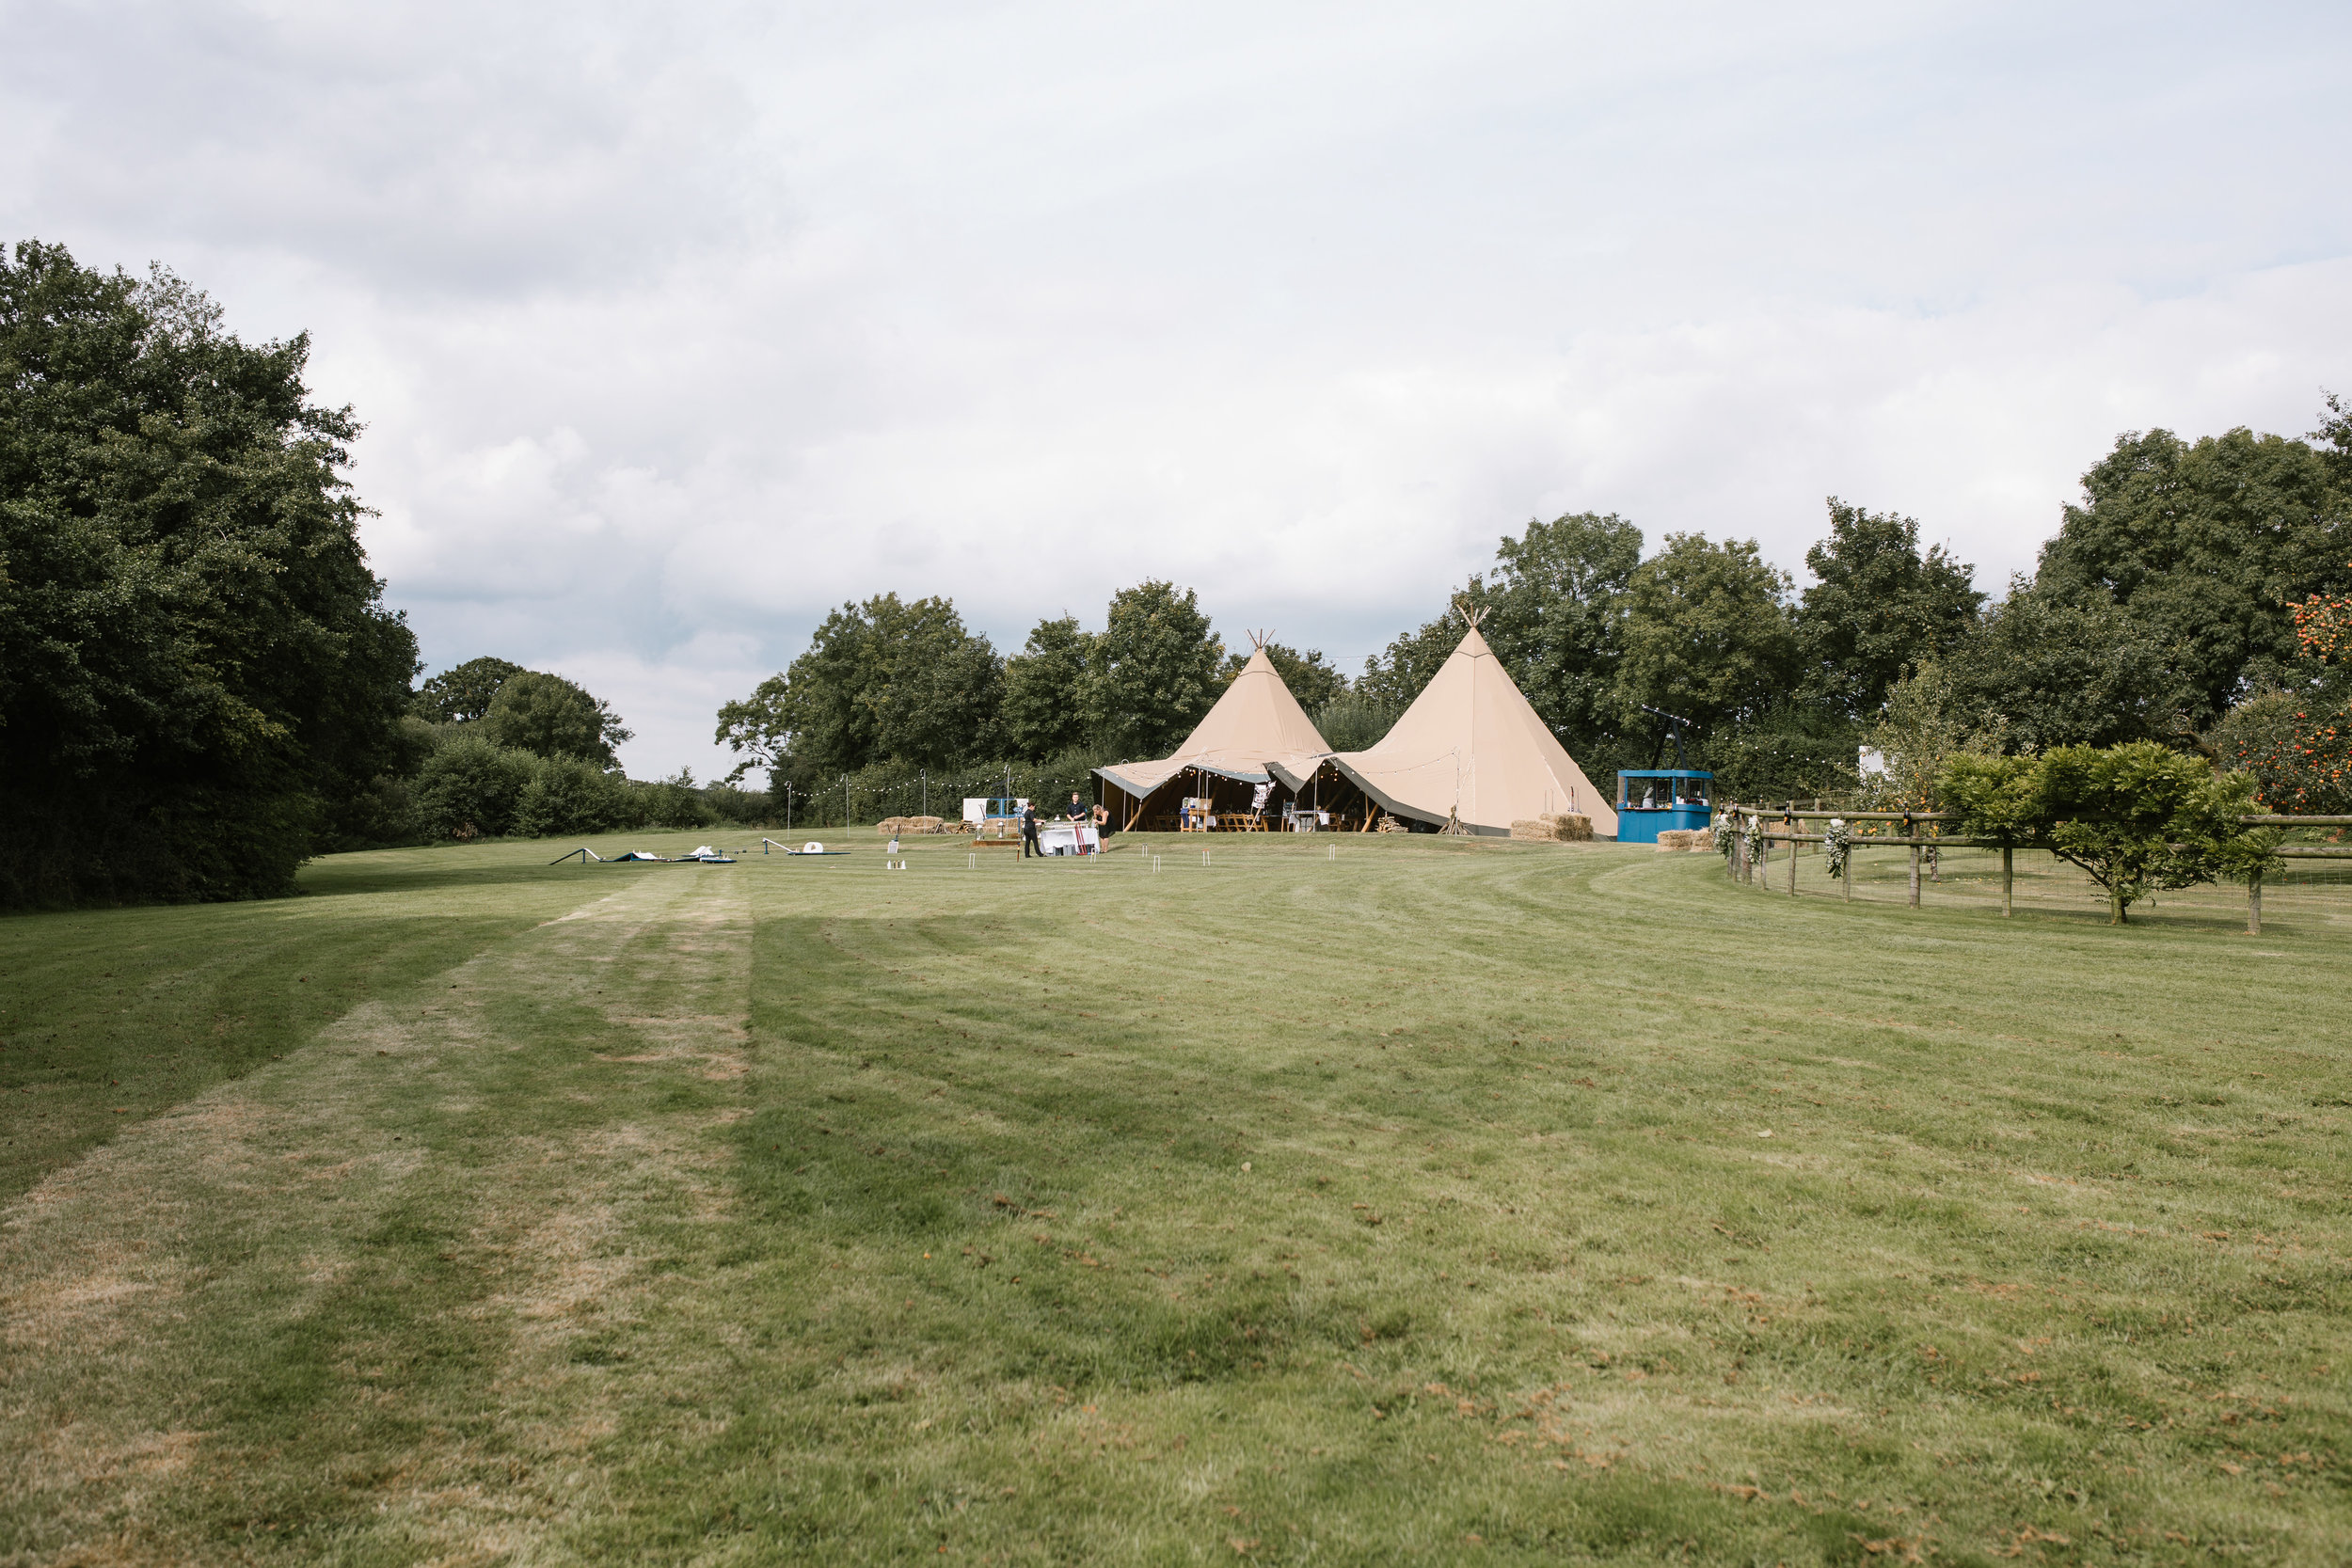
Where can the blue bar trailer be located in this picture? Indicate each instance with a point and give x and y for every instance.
(1650, 800)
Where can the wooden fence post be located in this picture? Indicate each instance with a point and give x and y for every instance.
(2254, 905)
(1914, 876)
(1848, 879)
(1792, 820)
(2005, 852)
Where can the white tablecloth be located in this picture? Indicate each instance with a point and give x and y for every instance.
(1069, 838)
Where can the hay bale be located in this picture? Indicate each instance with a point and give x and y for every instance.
(1673, 841)
(1701, 841)
(1568, 825)
(1535, 828)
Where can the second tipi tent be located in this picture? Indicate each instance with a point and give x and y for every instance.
(1255, 726)
(1471, 751)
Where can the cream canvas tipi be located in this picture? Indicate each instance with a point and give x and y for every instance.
(1472, 750)
(1256, 723)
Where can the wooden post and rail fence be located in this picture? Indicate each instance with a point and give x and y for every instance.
(1789, 832)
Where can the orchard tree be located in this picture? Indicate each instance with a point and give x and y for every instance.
(2136, 817)
(2298, 740)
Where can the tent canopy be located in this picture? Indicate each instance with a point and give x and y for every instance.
(1256, 722)
(1472, 749)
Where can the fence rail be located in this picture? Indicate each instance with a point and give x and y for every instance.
(1771, 826)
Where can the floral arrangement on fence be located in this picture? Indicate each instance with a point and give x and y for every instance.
(1754, 834)
(1726, 834)
(1835, 840)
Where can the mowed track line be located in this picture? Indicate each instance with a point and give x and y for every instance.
(336, 1305)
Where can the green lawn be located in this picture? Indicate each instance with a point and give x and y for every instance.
(1438, 1201)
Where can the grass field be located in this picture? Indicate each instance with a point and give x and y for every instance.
(1439, 1201)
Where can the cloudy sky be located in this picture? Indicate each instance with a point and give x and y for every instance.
(673, 326)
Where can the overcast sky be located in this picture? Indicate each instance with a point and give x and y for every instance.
(673, 326)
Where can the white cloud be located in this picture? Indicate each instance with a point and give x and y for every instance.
(672, 329)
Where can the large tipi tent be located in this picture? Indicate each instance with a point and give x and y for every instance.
(1471, 751)
(1256, 723)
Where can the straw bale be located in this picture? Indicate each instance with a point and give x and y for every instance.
(1568, 825)
(1528, 827)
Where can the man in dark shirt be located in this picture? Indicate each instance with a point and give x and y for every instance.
(1028, 833)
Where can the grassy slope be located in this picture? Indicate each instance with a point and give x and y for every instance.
(797, 1210)
(116, 1013)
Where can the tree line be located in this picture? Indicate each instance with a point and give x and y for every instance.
(201, 685)
(2170, 606)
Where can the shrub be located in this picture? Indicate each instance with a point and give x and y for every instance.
(566, 795)
(472, 787)
(669, 803)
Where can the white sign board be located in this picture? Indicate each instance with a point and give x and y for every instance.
(975, 809)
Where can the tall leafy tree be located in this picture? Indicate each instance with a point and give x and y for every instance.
(2334, 437)
(1396, 675)
(758, 729)
(884, 681)
(1556, 617)
(942, 687)
(1310, 675)
(1554, 614)
(1047, 690)
(550, 717)
(2049, 671)
(1879, 606)
(196, 669)
(463, 694)
(2203, 546)
(1707, 632)
(1154, 670)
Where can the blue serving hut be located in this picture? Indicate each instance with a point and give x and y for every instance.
(1650, 800)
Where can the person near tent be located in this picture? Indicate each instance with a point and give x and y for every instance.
(1029, 845)
(1078, 813)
